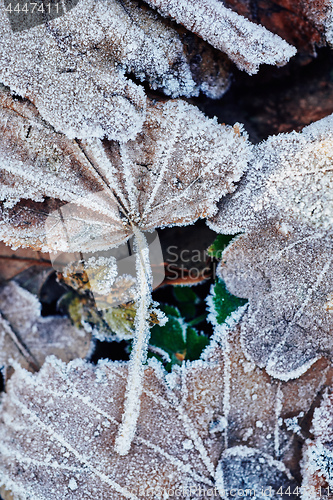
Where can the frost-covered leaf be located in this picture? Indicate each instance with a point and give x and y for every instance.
(74, 410)
(290, 178)
(257, 474)
(60, 425)
(306, 24)
(224, 303)
(257, 410)
(74, 70)
(284, 262)
(317, 462)
(219, 244)
(288, 281)
(27, 337)
(173, 173)
(246, 43)
(321, 13)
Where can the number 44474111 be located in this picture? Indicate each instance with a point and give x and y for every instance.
(33, 7)
(317, 492)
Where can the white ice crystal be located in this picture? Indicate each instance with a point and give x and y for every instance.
(74, 70)
(290, 179)
(246, 43)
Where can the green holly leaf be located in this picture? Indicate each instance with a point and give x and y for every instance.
(220, 243)
(224, 302)
(187, 300)
(176, 341)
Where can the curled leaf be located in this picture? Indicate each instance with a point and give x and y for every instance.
(246, 43)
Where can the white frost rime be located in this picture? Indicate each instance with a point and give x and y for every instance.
(246, 43)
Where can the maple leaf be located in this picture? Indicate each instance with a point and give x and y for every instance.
(74, 71)
(173, 173)
(283, 262)
(27, 337)
(246, 43)
(75, 411)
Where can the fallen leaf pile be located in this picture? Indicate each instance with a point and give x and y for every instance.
(203, 426)
(101, 144)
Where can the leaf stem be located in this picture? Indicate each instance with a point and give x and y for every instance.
(140, 345)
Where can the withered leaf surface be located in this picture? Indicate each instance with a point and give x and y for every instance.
(28, 338)
(246, 43)
(317, 462)
(284, 262)
(74, 411)
(173, 173)
(306, 24)
(290, 178)
(14, 262)
(59, 426)
(288, 281)
(74, 70)
(258, 411)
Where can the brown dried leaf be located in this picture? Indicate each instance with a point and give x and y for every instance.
(27, 337)
(258, 411)
(74, 410)
(173, 173)
(290, 179)
(288, 281)
(74, 71)
(317, 463)
(284, 263)
(14, 262)
(246, 43)
(77, 455)
(306, 24)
